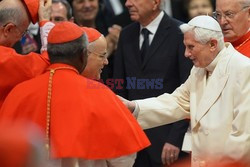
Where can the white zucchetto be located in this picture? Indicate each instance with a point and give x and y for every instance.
(206, 22)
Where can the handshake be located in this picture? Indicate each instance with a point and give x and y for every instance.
(129, 104)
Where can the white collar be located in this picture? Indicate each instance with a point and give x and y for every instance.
(210, 68)
(153, 26)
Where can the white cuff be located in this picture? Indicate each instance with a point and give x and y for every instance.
(136, 110)
(44, 31)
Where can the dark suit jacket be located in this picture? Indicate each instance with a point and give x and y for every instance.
(166, 62)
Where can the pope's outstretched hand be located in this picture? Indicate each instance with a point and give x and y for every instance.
(129, 104)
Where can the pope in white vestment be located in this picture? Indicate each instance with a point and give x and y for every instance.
(216, 97)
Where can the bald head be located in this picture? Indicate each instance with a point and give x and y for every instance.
(13, 11)
(98, 46)
(14, 21)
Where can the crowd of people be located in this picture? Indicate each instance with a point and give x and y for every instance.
(108, 83)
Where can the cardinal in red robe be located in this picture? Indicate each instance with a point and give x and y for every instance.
(79, 120)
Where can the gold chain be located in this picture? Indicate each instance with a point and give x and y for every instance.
(47, 142)
(48, 114)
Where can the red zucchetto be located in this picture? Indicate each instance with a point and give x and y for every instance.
(64, 32)
(32, 6)
(92, 33)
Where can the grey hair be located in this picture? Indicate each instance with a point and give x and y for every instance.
(68, 50)
(244, 3)
(203, 35)
(67, 6)
(10, 15)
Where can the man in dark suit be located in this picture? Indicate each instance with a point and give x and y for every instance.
(147, 66)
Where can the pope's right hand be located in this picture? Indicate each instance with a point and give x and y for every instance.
(129, 104)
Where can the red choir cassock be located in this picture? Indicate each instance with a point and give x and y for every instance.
(243, 44)
(15, 68)
(87, 120)
(81, 118)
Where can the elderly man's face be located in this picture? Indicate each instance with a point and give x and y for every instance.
(97, 59)
(200, 54)
(140, 10)
(233, 19)
(10, 31)
(85, 10)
